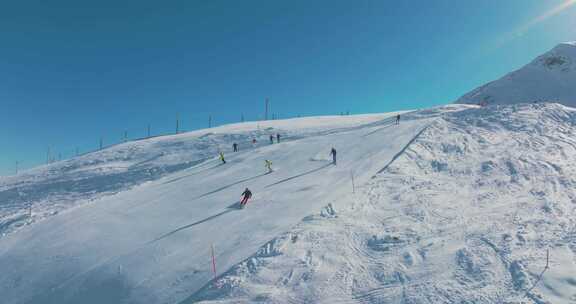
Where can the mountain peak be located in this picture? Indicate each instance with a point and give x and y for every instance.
(548, 78)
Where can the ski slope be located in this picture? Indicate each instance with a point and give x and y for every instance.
(151, 243)
(468, 213)
(47, 190)
(457, 204)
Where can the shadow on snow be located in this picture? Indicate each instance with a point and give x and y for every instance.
(235, 206)
(228, 186)
(299, 175)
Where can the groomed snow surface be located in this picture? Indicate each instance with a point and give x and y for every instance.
(457, 204)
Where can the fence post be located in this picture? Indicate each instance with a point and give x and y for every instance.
(267, 105)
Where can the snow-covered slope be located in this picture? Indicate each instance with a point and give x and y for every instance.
(549, 78)
(466, 214)
(44, 191)
(457, 204)
(151, 243)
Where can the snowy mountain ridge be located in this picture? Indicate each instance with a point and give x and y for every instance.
(550, 77)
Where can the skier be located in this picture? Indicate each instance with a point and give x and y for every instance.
(246, 195)
(268, 165)
(222, 158)
(398, 119)
(278, 138)
(333, 153)
(253, 141)
(271, 139)
(235, 146)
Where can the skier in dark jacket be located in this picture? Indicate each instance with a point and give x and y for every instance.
(235, 146)
(271, 139)
(278, 138)
(333, 153)
(246, 195)
(398, 119)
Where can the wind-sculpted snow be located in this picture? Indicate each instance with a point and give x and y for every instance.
(465, 214)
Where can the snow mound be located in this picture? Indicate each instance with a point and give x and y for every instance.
(549, 78)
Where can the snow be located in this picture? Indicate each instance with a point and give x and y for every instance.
(465, 214)
(456, 204)
(56, 187)
(548, 78)
(133, 237)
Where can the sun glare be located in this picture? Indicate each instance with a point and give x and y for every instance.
(521, 30)
(550, 13)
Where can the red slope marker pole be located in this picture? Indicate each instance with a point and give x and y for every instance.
(213, 262)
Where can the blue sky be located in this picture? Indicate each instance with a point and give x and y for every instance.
(73, 71)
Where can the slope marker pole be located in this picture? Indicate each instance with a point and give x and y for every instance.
(213, 261)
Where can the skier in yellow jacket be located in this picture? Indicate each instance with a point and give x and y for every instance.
(268, 164)
(222, 158)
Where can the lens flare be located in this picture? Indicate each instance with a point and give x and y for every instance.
(518, 32)
(548, 14)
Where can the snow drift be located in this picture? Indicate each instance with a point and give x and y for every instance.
(549, 78)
